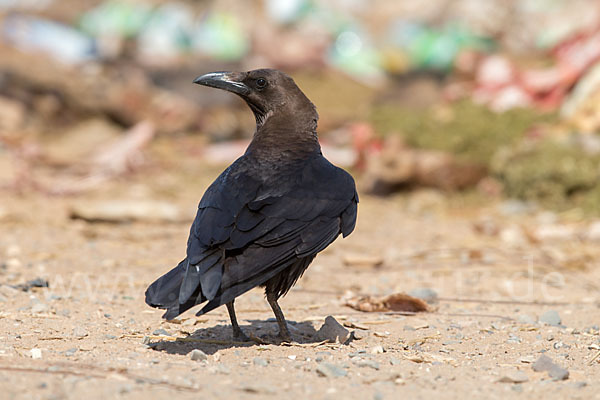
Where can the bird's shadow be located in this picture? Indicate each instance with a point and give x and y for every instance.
(219, 337)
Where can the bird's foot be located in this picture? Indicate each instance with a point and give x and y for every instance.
(285, 335)
(240, 336)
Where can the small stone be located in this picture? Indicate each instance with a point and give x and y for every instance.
(71, 351)
(377, 350)
(545, 363)
(578, 385)
(79, 332)
(330, 370)
(526, 319)
(359, 362)
(550, 317)
(258, 389)
(39, 308)
(221, 369)
(333, 331)
(395, 361)
(261, 362)
(36, 354)
(110, 337)
(427, 294)
(197, 355)
(512, 338)
(359, 334)
(514, 377)
(160, 332)
(558, 373)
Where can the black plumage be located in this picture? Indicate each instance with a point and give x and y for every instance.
(264, 219)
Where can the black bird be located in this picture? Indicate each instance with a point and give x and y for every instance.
(266, 217)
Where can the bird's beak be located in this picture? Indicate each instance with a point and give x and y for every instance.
(223, 80)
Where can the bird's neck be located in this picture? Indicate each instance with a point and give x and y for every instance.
(286, 134)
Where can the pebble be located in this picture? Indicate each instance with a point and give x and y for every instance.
(333, 331)
(79, 332)
(258, 389)
(512, 338)
(359, 362)
(71, 351)
(359, 334)
(261, 362)
(321, 355)
(330, 370)
(160, 332)
(526, 319)
(39, 308)
(514, 377)
(427, 294)
(377, 350)
(551, 317)
(578, 385)
(36, 354)
(395, 361)
(198, 355)
(545, 363)
(221, 369)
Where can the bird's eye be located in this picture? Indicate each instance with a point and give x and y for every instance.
(261, 83)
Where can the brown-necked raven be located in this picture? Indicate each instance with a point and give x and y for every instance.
(268, 214)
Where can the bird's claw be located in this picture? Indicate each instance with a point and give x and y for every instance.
(240, 336)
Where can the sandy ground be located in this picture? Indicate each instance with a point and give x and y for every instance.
(493, 281)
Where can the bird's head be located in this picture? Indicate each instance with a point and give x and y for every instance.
(267, 92)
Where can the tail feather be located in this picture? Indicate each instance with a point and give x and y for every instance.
(164, 292)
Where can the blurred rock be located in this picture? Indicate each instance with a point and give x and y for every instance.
(550, 317)
(333, 331)
(545, 363)
(514, 377)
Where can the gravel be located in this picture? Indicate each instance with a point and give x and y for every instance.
(330, 370)
(197, 355)
(551, 317)
(333, 331)
(545, 363)
(261, 362)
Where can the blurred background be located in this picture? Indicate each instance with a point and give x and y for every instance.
(495, 99)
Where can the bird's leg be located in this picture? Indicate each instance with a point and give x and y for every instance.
(284, 332)
(238, 334)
